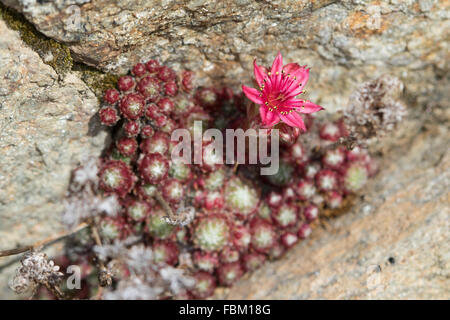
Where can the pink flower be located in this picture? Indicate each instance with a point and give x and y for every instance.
(277, 93)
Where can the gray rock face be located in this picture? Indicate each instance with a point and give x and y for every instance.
(44, 121)
(44, 126)
(345, 42)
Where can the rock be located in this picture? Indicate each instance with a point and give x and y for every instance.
(44, 125)
(394, 243)
(46, 117)
(345, 42)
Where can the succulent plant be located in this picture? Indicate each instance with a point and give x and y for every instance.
(214, 220)
(229, 273)
(211, 232)
(204, 285)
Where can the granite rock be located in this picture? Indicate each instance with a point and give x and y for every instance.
(46, 121)
(345, 42)
(44, 126)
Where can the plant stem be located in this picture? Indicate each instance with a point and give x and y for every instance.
(55, 290)
(171, 215)
(52, 239)
(104, 278)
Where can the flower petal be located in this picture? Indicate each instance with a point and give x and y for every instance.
(301, 76)
(259, 73)
(272, 118)
(252, 94)
(309, 107)
(285, 82)
(277, 64)
(294, 120)
(302, 106)
(263, 110)
(291, 68)
(293, 92)
(292, 103)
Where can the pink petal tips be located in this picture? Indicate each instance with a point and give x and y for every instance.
(278, 91)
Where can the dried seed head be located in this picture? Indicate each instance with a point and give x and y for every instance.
(35, 269)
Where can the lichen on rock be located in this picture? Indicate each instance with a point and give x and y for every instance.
(53, 53)
(48, 107)
(45, 123)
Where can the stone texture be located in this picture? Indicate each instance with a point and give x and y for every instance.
(44, 123)
(394, 243)
(345, 42)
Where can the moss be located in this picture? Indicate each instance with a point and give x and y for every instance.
(53, 53)
(96, 80)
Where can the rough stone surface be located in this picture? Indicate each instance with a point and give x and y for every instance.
(44, 123)
(394, 244)
(345, 42)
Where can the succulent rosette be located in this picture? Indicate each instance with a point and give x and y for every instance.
(211, 220)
